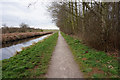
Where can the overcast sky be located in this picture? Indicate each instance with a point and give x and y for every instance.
(14, 12)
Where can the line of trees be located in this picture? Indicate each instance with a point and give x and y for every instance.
(96, 23)
(23, 28)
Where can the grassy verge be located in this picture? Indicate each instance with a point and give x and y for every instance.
(94, 64)
(32, 62)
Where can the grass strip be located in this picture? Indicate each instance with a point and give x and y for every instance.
(31, 62)
(93, 63)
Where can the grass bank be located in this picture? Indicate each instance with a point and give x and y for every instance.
(94, 64)
(32, 62)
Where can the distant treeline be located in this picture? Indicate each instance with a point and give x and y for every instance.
(23, 28)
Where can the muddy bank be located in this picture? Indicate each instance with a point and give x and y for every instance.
(12, 37)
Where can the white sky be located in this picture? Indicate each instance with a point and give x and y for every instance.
(14, 12)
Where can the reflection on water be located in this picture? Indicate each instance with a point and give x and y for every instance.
(17, 42)
(10, 51)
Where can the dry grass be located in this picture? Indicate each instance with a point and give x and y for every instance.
(10, 37)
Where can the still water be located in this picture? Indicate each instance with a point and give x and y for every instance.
(10, 51)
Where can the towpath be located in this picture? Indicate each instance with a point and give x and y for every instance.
(62, 63)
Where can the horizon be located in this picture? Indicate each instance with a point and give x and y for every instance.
(33, 27)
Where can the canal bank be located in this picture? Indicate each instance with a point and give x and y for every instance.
(31, 62)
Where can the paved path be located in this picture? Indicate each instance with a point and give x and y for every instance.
(62, 64)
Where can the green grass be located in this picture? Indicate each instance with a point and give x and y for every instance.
(32, 62)
(94, 64)
(50, 30)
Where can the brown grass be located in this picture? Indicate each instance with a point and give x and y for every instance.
(10, 37)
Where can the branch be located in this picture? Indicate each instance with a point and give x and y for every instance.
(72, 13)
(30, 4)
(96, 13)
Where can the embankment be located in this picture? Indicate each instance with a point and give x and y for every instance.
(11, 37)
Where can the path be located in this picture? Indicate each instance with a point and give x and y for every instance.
(62, 64)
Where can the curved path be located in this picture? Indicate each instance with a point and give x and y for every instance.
(62, 64)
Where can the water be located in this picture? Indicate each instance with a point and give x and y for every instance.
(10, 51)
(17, 42)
